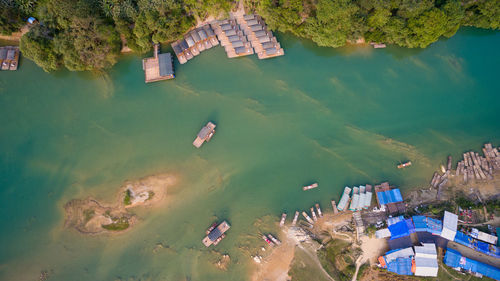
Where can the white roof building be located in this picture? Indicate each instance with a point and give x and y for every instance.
(449, 226)
(426, 260)
(344, 199)
(382, 233)
(403, 253)
(484, 236)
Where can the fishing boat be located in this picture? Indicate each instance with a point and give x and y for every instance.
(314, 185)
(404, 165)
(268, 241)
(283, 217)
(276, 241)
(211, 228)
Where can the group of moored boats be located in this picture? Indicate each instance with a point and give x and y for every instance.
(271, 240)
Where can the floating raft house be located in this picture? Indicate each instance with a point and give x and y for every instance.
(194, 42)
(215, 234)
(9, 57)
(159, 67)
(355, 199)
(344, 200)
(205, 134)
(263, 42)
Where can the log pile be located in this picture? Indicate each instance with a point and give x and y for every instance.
(474, 166)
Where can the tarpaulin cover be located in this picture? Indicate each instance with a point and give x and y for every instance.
(454, 259)
(423, 223)
(468, 241)
(389, 196)
(409, 224)
(394, 220)
(401, 266)
(398, 230)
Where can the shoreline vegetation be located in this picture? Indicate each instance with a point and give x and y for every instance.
(89, 216)
(90, 34)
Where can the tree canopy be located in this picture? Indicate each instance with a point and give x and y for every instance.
(88, 34)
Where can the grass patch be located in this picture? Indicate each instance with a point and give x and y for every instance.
(88, 215)
(126, 199)
(337, 258)
(150, 195)
(120, 224)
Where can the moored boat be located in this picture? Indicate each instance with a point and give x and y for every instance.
(404, 165)
(314, 185)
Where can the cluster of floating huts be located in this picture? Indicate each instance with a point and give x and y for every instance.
(195, 42)
(242, 35)
(361, 198)
(9, 57)
(422, 261)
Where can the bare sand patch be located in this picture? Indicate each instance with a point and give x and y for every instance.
(89, 216)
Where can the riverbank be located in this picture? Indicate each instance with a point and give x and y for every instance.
(89, 216)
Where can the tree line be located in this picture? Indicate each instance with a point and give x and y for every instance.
(88, 34)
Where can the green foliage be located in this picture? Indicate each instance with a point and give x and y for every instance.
(126, 198)
(38, 46)
(85, 34)
(118, 225)
(88, 214)
(370, 230)
(337, 259)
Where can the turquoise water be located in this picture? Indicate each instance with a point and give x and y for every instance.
(336, 116)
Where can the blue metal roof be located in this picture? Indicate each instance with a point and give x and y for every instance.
(454, 259)
(214, 234)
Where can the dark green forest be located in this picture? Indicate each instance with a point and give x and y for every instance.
(87, 34)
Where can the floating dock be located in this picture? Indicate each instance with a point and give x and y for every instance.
(355, 199)
(314, 185)
(283, 217)
(216, 235)
(205, 134)
(9, 57)
(232, 38)
(159, 67)
(295, 218)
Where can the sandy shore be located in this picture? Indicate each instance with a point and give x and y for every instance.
(89, 216)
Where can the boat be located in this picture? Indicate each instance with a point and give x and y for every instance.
(276, 241)
(404, 165)
(211, 228)
(295, 217)
(319, 210)
(314, 185)
(283, 217)
(216, 234)
(268, 241)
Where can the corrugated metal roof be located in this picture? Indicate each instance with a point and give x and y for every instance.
(241, 50)
(214, 234)
(383, 233)
(450, 221)
(165, 64)
(454, 259)
(399, 253)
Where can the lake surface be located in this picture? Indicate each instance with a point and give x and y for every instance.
(336, 116)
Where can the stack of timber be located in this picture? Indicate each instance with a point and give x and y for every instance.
(472, 167)
(232, 38)
(194, 42)
(264, 43)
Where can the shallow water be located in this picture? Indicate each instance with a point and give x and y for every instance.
(336, 116)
